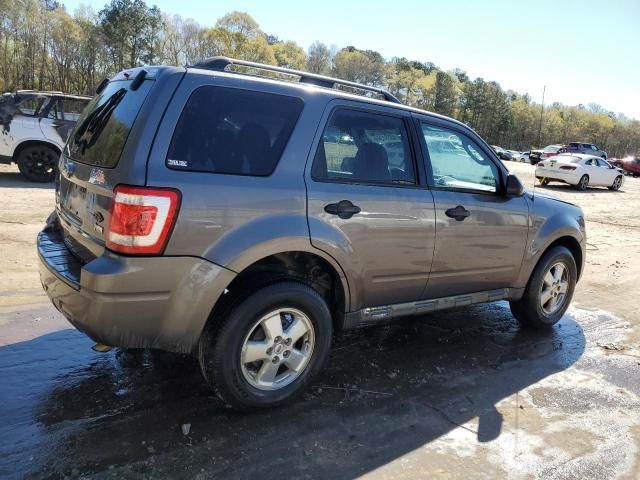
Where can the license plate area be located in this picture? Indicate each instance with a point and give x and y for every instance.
(73, 200)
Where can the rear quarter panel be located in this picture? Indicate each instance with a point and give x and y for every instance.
(235, 220)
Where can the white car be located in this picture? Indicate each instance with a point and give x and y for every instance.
(34, 127)
(580, 171)
(520, 156)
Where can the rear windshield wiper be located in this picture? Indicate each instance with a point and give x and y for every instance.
(95, 122)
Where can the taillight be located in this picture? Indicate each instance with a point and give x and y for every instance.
(567, 167)
(142, 219)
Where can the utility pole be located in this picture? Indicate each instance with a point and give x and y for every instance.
(541, 112)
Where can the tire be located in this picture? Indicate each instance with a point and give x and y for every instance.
(583, 184)
(617, 183)
(530, 310)
(222, 353)
(38, 163)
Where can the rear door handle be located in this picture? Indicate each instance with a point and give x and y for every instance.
(459, 213)
(344, 209)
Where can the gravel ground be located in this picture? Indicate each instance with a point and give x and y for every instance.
(459, 394)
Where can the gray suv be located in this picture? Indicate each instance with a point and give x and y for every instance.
(230, 212)
(585, 148)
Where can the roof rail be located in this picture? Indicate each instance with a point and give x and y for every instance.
(220, 64)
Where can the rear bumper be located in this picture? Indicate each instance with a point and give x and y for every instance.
(132, 302)
(569, 176)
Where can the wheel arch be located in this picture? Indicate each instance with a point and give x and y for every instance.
(32, 143)
(309, 267)
(573, 246)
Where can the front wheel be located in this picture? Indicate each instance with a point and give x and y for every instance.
(549, 291)
(268, 347)
(38, 163)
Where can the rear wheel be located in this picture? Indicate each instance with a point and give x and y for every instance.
(583, 184)
(268, 347)
(617, 183)
(549, 291)
(38, 163)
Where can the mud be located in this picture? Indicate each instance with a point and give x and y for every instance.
(461, 394)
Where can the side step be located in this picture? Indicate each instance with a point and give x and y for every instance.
(384, 313)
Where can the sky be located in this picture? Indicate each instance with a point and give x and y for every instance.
(582, 51)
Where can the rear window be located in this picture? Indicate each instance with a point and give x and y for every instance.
(103, 127)
(233, 131)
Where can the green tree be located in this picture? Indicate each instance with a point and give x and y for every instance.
(241, 23)
(289, 54)
(131, 30)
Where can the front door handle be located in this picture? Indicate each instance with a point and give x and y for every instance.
(344, 209)
(459, 213)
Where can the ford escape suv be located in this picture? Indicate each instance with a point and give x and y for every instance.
(248, 213)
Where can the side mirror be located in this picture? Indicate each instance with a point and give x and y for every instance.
(514, 186)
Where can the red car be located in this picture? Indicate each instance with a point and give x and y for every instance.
(630, 165)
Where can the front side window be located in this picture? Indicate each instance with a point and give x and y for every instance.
(233, 131)
(363, 147)
(458, 162)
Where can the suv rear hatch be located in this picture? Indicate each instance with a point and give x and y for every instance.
(97, 158)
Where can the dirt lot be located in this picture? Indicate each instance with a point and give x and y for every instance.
(462, 394)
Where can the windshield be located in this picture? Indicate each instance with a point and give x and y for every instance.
(551, 148)
(102, 129)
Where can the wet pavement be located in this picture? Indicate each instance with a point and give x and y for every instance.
(460, 394)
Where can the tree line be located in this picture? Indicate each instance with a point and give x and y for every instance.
(44, 47)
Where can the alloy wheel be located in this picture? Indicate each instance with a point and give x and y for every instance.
(277, 349)
(555, 285)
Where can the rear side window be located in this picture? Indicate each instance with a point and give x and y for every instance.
(67, 109)
(233, 131)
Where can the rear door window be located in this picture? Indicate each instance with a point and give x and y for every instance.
(30, 105)
(364, 147)
(233, 131)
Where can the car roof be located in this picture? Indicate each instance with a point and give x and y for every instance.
(305, 88)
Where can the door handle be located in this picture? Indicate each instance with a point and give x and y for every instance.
(459, 213)
(344, 209)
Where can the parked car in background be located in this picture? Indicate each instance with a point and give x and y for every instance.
(34, 127)
(630, 165)
(502, 153)
(585, 148)
(521, 156)
(295, 245)
(549, 151)
(579, 170)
